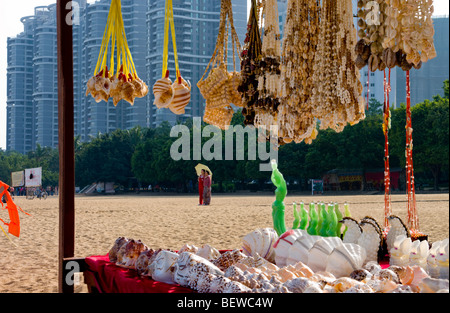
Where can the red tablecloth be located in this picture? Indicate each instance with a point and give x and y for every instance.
(110, 278)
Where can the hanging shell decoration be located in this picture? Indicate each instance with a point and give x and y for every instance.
(220, 87)
(220, 117)
(163, 92)
(337, 91)
(269, 80)
(181, 96)
(409, 28)
(250, 57)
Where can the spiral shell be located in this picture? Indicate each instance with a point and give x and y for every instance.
(164, 92)
(261, 242)
(181, 98)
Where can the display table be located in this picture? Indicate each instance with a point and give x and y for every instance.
(102, 276)
(105, 277)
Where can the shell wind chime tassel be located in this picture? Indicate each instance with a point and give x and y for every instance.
(220, 87)
(122, 83)
(337, 92)
(182, 96)
(174, 96)
(269, 80)
(300, 43)
(163, 92)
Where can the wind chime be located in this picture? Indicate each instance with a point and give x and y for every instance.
(121, 83)
(220, 87)
(396, 33)
(177, 95)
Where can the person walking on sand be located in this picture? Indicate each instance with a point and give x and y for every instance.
(201, 179)
(207, 189)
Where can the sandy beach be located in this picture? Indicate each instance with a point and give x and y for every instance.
(163, 221)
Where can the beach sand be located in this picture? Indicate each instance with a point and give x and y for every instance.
(163, 221)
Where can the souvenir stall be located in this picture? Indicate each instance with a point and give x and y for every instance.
(308, 80)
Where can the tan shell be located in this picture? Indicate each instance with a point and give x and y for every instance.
(163, 92)
(181, 98)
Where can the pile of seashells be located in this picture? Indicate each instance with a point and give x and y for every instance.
(294, 262)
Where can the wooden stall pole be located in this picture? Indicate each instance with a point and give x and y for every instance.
(66, 142)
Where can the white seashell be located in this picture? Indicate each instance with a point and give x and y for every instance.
(442, 260)
(203, 283)
(344, 283)
(315, 288)
(300, 249)
(260, 241)
(373, 267)
(397, 228)
(188, 248)
(382, 286)
(235, 287)
(433, 285)
(208, 252)
(370, 240)
(419, 253)
(301, 270)
(218, 284)
(181, 97)
(162, 267)
(199, 270)
(299, 285)
(284, 275)
(432, 266)
(318, 254)
(283, 245)
(228, 258)
(345, 259)
(184, 264)
(253, 261)
(353, 232)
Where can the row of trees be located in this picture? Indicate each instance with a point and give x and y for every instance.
(144, 154)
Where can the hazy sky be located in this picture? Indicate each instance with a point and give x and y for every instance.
(12, 10)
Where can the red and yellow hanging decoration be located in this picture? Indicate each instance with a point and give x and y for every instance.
(396, 33)
(115, 75)
(386, 129)
(174, 96)
(13, 211)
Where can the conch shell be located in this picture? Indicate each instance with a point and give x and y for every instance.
(163, 92)
(129, 253)
(260, 242)
(162, 267)
(181, 97)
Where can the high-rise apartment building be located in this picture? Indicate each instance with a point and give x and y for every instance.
(19, 109)
(104, 117)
